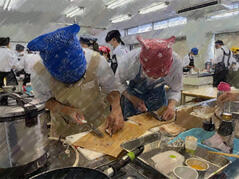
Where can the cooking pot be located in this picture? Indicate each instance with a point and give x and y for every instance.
(23, 139)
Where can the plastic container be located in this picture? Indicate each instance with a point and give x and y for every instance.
(165, 162)
(191, 144)
(184, 172)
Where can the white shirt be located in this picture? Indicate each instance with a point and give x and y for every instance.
(219, 57)
(105, 78)
(130, 65)
(20, 61)
(7, 59)
(120, 50)
(186, 61)
(29, 61)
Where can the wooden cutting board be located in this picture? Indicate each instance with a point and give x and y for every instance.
(111, 145)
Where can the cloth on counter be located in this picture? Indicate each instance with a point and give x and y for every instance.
(203, 135)
(61, 53)
(130, 65)
(217, 142)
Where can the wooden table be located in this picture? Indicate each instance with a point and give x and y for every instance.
(204, 93)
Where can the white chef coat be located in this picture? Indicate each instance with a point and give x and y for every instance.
(7, 59)
(20, 61)
(130, 65)
(186, 60)
(105, 75)
(120, 50)
(219, 57)
(29, 61)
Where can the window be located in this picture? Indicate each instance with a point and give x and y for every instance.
(170, 23)
(234, 5)
(145, 28)
(177, 21)
(160, 25)
(140, 29)
(132, 31)
(157, 25)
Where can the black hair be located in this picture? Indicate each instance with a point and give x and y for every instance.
(20, 47)
(90, 41)
(219, 42)
(114, 34)
(4, 41)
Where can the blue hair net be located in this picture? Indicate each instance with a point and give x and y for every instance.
(194, 51)
(61, 53)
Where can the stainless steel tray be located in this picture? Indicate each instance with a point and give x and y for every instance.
(216, 163)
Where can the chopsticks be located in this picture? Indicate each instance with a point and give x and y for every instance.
(225, 154)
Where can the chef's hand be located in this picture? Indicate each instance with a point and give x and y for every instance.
(137, 102)
(114, 121)
(170, 111)
(228, 96)
(76, 115)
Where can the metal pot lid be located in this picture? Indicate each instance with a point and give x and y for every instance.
(15, 110)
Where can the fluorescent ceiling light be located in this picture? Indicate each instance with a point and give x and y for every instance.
(116, 3)
(153, 7)
(2, 3)
(74, 11)
(120, 18)
(6, 4)
(222, 15)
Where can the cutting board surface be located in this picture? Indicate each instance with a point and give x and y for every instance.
(111, 145)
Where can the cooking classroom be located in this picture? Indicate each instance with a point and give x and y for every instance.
(135, 90)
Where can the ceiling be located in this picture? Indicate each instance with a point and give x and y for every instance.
(37, 16)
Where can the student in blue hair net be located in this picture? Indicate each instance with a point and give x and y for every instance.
(188, 60)
(77, 84)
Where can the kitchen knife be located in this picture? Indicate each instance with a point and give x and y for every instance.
(94, 131)
(141, 141)
(156, 116)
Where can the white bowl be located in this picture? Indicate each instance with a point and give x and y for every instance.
(185, 172)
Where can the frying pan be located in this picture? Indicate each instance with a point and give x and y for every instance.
(87, 173)
(72, 173)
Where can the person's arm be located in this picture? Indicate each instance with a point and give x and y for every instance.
(175, 82)
(115, 121)
(229, 96)
(137, 102)
(74, 113)
(111, 87)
